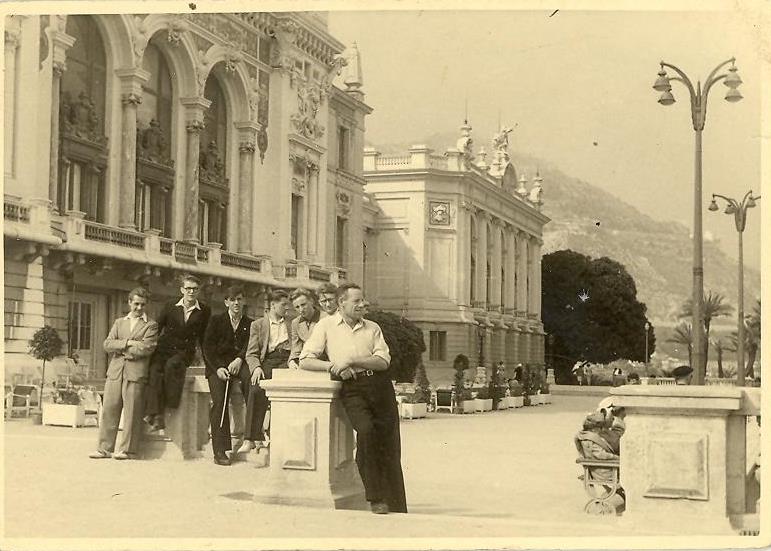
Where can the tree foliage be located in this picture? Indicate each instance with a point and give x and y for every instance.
(683, 335)
(715, 306)
(590, 307)
(751, 338)
(45, 345)
(405, 343)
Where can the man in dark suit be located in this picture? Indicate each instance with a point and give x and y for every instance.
(224, 351)
(304, 303)
(181, 326)
(270, 339)
(130, 343)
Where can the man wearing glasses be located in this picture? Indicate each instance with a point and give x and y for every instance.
(328, 299)
(181, 326)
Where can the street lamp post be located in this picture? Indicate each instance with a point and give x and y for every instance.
(647, 331)
(698, 115)
(739, 210)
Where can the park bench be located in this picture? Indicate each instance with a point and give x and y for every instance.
(600, 489)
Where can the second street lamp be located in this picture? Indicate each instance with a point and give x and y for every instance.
(698, 116)
(739, 210)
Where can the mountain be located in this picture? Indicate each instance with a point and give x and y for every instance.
(594, 222)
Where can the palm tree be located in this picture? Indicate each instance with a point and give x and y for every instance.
(683, 334)
(715, 306)
(719, 347)
(751, 338)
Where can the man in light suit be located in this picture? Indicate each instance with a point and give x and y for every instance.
(304, 303)
(270, 339)
(130, 343)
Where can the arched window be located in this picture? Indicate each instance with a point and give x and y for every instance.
(83, 144)
(155, 168)
(212, 214)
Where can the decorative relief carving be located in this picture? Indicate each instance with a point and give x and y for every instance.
(152, 145)
(232, 58)
(228, 30)
(131, 98)
(195, 126)
(262, 142)
(304, 161)
(308, 105)
(299, 186)
(246, 146)
(79, 118)
(343, 202)
(439, 213)
(212, 169)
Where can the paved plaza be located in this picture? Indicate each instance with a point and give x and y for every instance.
(499, 474)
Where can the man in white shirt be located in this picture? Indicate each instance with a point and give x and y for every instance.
(359, 355)
(131, 341)
(268, 349)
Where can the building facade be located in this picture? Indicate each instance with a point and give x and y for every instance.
(454, 244)
(142, 147)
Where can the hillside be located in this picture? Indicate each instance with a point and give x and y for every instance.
(594, 222)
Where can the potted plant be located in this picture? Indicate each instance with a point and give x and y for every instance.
(516, 391)
(484, 401)
(66, 410)
(415, 405)
(45, 345)
(463, 400)
(545, 396)
(530, 385)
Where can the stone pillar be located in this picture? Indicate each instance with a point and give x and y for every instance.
(61, 43)
(311, 449)
(12, 39)
(131, 96)
(481, 275)
(463, 240)
(522, 254)
(247, 137)
(510, 292)
(194, 109)
(535, 277)
(495, 266)
(683, 455)
(312, 211)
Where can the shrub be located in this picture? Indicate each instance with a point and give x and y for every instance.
(422, 385)
(483, 394)
(45, 345)
(531, 379)
(405, 343)
(515, 388)
(460, 364)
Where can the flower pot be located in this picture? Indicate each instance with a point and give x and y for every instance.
(413, 411)
(546, 398)
(484, 405)
(468, 406)
(67, 415)
(37, 418)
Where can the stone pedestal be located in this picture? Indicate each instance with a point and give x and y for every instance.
(187, 427)
(550, 376)
(683, 456)
(311, 447)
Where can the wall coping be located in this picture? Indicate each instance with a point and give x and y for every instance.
(679, 399)
(297, 384)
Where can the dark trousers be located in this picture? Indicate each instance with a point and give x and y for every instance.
(370, 403)
(257, 404)
(166, 381)
(220, 436)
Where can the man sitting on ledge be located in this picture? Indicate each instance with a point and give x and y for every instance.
(359, 355)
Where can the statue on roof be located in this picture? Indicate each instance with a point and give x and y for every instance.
(501, 139)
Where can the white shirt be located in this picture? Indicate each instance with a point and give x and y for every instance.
(188, 309)
(133, 320)
(343, 342)
(278, 333)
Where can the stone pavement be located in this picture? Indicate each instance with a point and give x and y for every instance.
(498, 474)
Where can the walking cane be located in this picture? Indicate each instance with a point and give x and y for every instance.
(225, 401)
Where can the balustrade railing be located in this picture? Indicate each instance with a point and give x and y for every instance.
(240, 261)
(166, 246)
(115, 236)
(393, 161)
(438, 161)
(15, 212)
(317, 274)
(185, 252)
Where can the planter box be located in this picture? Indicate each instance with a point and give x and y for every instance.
(507, 402)
(518, 401)
(546, 398)
(484, 405)
(537, 399)
(64, 415)
(413, 411)
(468, 406)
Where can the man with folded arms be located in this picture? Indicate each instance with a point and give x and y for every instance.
(131, 341)
(359, 355)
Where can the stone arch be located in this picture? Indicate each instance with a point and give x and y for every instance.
(234, 80)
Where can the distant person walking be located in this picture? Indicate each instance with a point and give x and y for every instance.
(130, 343)
(181, 326)
(359, 355)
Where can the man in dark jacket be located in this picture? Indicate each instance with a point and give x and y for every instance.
(224, 348)
(181, 326)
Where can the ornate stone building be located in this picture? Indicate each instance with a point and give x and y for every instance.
(140, 147)
(454, 243)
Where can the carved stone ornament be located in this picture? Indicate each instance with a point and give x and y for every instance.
(152, 145)
(262, 143)
(132, 98)
(343, 202)
(439, 213)
(308, 105)
(174, 30)
(246, 146)
(195, 126)
(232, 58)
(298, 186)
(465, 144)
(210, 163)
(304, 161)
(79, 118)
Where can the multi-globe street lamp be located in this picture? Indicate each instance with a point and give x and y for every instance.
(739, 210)
(698, 97)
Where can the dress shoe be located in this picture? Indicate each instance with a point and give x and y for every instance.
(100, 454)
(379, 507)
(221, 459)
(123, 456)
(246, 447)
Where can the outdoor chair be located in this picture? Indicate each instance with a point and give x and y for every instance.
(21, 399)
(443, 399)
(601, 482)
(92, 405)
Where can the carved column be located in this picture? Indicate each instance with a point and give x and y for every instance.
(511, 270)
(312, 210)
(61, 42)
(12, 39)
(535, 276)
(495, 265)
(481, 275)
(247, 137)
(194, 109)
(463, 238)
(522, 252)
(131, 88)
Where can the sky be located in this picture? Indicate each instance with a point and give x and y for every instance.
(568, 80)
